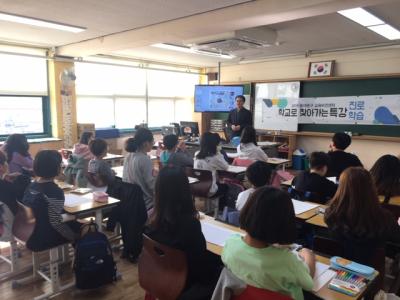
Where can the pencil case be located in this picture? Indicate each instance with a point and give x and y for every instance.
(342, 263)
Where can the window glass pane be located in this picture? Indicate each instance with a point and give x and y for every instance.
(99, 111)
(161, 112)
(170, 84)
(129, 112)
(96, 79)
(19, 74)
(21, 115)
(183, 110)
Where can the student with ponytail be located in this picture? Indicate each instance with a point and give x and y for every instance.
(138, 167)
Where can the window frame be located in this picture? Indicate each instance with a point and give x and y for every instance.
(47, 127)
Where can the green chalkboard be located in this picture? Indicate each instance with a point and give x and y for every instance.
(355, 87)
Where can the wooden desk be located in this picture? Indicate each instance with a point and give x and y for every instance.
(119, 170)
(317, 220)
(92, 206)
(278, 162)
(287, 183)
(324, 292)
(393, 200)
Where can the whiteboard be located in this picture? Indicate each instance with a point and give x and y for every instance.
(269, 98)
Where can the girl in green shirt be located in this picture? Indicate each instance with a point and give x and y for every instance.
(263, 258)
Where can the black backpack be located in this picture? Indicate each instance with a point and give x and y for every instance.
(94, 264)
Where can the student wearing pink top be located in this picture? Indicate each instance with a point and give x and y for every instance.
(82, 148)
(17, 149)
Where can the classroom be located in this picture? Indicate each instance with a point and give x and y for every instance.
(183, 149)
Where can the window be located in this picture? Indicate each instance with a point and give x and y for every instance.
(131, 96)
(24, 101)
(21, 115)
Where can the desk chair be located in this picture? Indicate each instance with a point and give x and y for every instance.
(162, 270)
(7, 236)
(24, 229)
(202, 188)
(253, 293)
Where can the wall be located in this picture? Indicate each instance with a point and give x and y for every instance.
(363, 63)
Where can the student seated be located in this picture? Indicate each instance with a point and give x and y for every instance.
(138, 167)
(258, 174)
(209, 158)
(78, 161)
(314, 181)
(12, 185)
(18, 158)
(356, 218)
(386, 176)
(263, 257)
(175, 153)
(339, 159)
(100, 174)
(47, 166)
(175, 222)
(248, 145)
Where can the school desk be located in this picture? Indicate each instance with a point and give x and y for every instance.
(287, 183)
(317, 220)
(393, 200)
(88, 205)
(324, 292)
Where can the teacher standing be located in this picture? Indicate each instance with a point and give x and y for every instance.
(239, 117)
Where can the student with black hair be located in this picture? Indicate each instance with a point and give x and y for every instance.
(82, 148)
(175, 153)
(77, 166)
(339, 159)
(248, 145)
(175, 222)
(99, 169)
(47, 166)
(18, 158)
(314, 180)
(386, 175)
(258, 174)
(138, 167)
(263, 257)
(208, 158)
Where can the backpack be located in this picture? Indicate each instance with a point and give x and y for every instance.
(94, 264)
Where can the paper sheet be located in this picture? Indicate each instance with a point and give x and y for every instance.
(236, 169)
(232, 154)
(266, 143)
(322, 275)
(333, 179)
(193, 180)
(216, 234)
(72, 200)
(300, 206)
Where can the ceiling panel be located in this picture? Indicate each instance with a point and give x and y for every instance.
(100, 17)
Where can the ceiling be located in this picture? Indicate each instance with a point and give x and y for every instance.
(100, 17)
(128, 27)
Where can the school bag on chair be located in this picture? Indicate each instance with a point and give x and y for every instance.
(94, 264)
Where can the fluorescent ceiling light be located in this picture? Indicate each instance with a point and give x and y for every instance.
(387, 31)
(361, 16)
(40, 23)
(192, 51)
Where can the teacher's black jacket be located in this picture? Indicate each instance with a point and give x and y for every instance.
(241, 117)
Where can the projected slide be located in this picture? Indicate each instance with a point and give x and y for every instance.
(212, 98)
